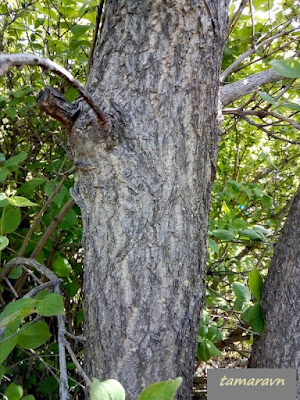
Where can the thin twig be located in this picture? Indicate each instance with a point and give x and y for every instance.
(37, 289)
(63, 381)
(95, 36)
(11, 288)
(261, 114)
(251, 51)
(78, 366)
(235, 19)
(79, 338)
(268, 132)
(31, 263)
(41, 213)
(45, 237)
(252, 23)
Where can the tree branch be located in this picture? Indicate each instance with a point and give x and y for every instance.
(235, 90)
(268, 132)
(53, 103)
(19, 60)
(235, 19)
(261, 114)
(253, 50)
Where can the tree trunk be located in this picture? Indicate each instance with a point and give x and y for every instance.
(279, 346)
(144, 187)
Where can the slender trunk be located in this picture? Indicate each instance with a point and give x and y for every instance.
(144, 188)
(279, 346)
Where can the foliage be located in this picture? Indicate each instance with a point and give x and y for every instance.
(256, 176)
(113, 390)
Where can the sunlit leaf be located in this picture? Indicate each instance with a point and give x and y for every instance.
(287, 68)
(256, 283)
(161, 390)
(3, 242)
(241, 291)
(107, 390)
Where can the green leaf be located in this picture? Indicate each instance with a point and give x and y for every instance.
(4, 202)
(71, 94)
(246, 190)
(79, 317)
(21, 306)
(30, 397)
(256, 283)
(15, 273)
(2, 157)
(16, 159)
(7, 346)
(234, 184)
(238, 305)
(267, 201)
(203, 331)
(2, 371)
(254, 315)
(48, 386)
(14, 392)
(266, 97)
(251, 234)
(71, 286)
(202, 350)
(61, 266)
(223, 234)
(287, 68)
(49, 187)
(107, 390)
(34, 335)
(212, 349)
(50, 305)
(69, 220)
(213, 245)
(11, 220)
(28, 186)
(42, 294)
(161, 390)
(291, 106)
(262, 230)
(3, 242)
(3, 174)
(241, 291)
(11, 112)
(10, 319)
(79, 30)
(257, 192)
(213, 333)
(19, 201)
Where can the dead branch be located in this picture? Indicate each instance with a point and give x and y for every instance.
(19, 60)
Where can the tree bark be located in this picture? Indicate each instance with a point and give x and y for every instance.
(279, 346)
(144, 187)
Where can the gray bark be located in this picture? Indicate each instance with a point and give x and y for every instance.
(279, 346)
(144, 187)
(238, 89)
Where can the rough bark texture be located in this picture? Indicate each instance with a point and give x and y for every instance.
(279, 346)
(144, 187)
